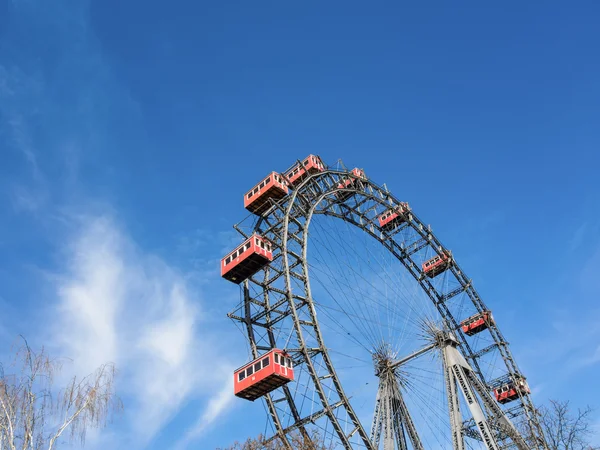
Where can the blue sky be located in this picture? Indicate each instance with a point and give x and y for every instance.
(129, 132)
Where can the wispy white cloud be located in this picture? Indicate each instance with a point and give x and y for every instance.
(119, 304)
(14, 109)
(589, 280)
(594, 358)
(23, 144)
(569, 338)
(115, 302)
(215, 408)
(55, 126)
(578, 236)
(91, 292)
(26, 198)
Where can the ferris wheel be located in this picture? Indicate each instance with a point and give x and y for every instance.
(361, 325)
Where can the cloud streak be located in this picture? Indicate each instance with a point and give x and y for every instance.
(119, 304)
(215, 408)
(114, 301)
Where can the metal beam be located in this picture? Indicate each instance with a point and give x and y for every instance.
(413, 356)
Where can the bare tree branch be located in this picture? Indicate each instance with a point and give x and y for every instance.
(314, 441)
(564, 428)
(8, 420)
(34, 415)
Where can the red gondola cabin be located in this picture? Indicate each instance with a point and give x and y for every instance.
(348, 182)
(312, 164)
(476, 323)
(263, 375)
(511, 390)
(392, 217)
(247, 259)
(436, 265)
(257, 199)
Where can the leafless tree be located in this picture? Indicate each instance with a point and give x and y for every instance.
(313, 441)
(566, 429)
(35, 415)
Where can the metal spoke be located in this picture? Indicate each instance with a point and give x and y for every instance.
(279, 309)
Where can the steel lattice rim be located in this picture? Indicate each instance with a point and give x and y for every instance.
(317, 195)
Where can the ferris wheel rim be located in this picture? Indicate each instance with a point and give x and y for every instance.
(388, 200)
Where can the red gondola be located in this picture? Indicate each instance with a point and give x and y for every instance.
(393, 217)
(263, 375)
(311, 164)
(511, 391)
(476, 323)
(436, 265)
(349, 181)
(257, 199)
(247, 259)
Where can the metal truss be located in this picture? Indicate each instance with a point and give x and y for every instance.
(391, 418)
(493, 424)
(284, 296)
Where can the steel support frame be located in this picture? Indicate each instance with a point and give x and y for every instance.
(318, 190)
(459, 373)
(392, 418)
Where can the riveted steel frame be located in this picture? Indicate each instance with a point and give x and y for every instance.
(286, 224)
(391, 416)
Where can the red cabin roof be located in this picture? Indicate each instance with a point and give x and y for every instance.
(476, 323)
(394, 216)
(436, 265)
(349, 181)
(251, 256)
(263, 375)
(257, 199)
(311, 164)
(511, 390)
